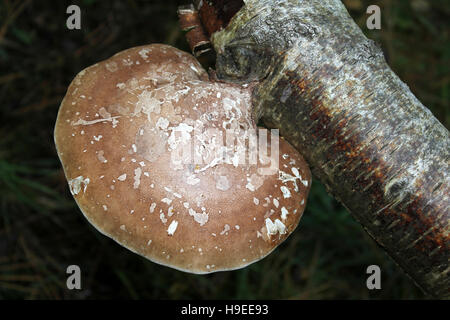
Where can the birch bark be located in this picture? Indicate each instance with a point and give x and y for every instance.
(373, 144)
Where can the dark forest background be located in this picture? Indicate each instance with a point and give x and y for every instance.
(41, 228)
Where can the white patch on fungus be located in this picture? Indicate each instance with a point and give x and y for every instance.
(192, 180)
(226, 228)
(143, 53)
(271, 228)
(275, 227)
(194, 68)
(280, 226)
(163, 218)
(254, 182)
(250, 187)
(284, 213)
(162, 123)
(184, 135)
(137, 177)
(101, 157)
(201, 218)
(286, 192)
(75, 184)
(172, 227)
(111, 66)
(222, 183)
(275, 203)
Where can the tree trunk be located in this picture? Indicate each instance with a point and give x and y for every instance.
(376, 148)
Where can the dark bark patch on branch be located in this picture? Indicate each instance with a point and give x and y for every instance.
(195, 35)
(217, 14)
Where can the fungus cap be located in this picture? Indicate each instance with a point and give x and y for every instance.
(142, 140)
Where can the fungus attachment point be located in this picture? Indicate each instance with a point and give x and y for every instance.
(172, 166)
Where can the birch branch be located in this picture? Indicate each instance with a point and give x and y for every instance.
(373, 144)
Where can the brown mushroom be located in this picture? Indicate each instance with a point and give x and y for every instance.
(142, 137)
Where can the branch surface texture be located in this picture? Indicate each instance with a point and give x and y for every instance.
(373, 144)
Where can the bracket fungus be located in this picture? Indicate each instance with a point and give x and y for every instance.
(171, 165)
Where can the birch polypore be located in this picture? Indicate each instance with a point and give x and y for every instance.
(141, 137)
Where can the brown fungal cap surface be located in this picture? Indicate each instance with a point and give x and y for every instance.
(142, 139)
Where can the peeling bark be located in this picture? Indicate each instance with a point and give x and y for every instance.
(376, 148)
